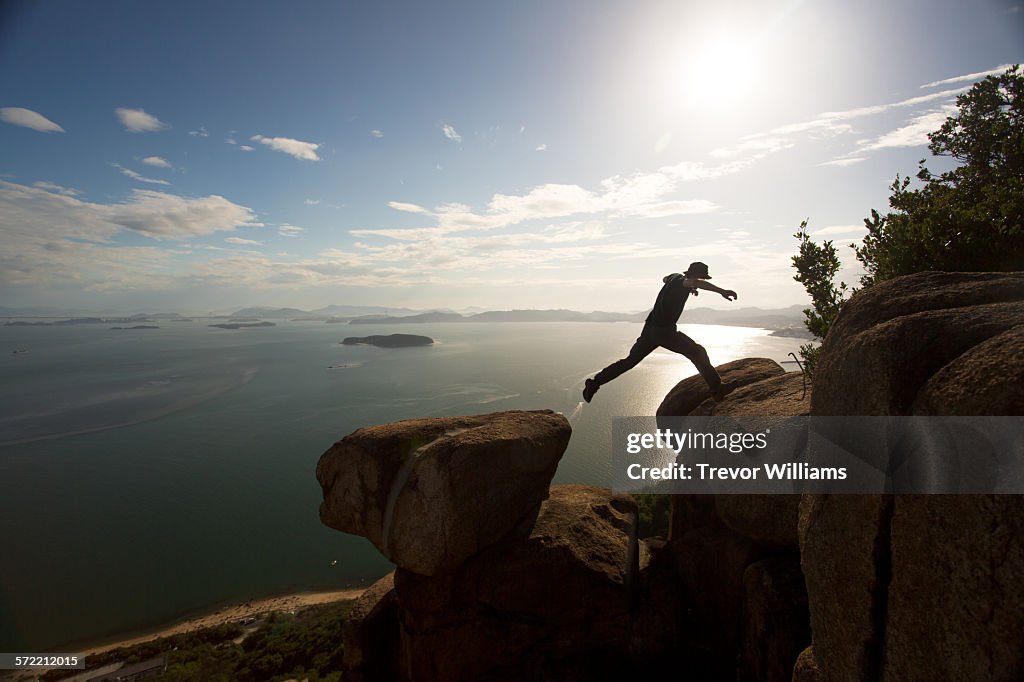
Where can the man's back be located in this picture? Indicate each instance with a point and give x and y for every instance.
(669, 304)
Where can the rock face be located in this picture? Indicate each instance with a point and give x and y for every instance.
(891, 339)
(429, 493)
(689, 393)
(550, 599)
(370, 634)
(774, 619)
(919, 587)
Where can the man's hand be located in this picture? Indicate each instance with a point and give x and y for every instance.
(729, 295)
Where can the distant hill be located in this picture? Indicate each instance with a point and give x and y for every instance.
(269, 313)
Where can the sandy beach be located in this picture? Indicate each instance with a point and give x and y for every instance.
(227, 614)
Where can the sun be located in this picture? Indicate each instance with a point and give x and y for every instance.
(720, 70)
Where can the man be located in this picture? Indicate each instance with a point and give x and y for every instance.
(660, 330)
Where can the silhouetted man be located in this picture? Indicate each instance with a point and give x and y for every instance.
(660, 330)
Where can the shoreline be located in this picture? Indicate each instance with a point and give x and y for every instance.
(225, 614)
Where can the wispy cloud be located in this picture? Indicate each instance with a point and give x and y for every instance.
(242, 242)
(286, 230)
(845, 161)
(839, 229)
(969, 76)
(376, 133)
(157, 161)
(138, 121)
(312, 202)
(297, 148)
(450, 132)
(541, 148)
(408, 208)
(202, 132)
(231, 140)
(914, 134)
(247, 148)
(35, 214)
(54, 187)
(135, 176)
(26, 118)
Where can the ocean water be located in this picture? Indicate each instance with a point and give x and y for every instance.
(146, 475)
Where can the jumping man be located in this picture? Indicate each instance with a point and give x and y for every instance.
(660, 330)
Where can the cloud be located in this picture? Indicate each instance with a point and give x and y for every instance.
(54, 187)
(244, 242)
(376, 133)
(451, 133)
(135, 176)
(247, 148)
(138, 121)
(286, 230)
(312, 202)
(914, 134)
(231, 140)
(297, 148)
(34, 214)
(199, 133)
(26, 118)
(156, 161)
(408, 208)
(758, 147)
(839, 229)
(541, 148)
(970, 76)
(845, 161)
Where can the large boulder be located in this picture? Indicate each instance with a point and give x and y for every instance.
(782, 395)
(919, 587)
(890, 339)
(430, 493)
(692, 391)
(553, 593)
(370, 634)
(806, 668)
(775, 621)
(956, 598)
(985, 380)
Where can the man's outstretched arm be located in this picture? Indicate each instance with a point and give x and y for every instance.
(695, 283)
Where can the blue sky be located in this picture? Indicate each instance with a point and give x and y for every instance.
(548, 154)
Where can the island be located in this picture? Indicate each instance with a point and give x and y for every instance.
(389, 341)
(242, 325)
(139, 326)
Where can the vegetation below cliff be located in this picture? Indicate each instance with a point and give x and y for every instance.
(307, 645)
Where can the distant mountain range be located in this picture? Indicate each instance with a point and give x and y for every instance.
(790, 318)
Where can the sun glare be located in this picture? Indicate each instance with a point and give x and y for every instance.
(718, 71)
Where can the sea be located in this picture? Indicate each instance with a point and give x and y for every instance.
(148, 475)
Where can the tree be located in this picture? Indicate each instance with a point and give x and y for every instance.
(816, 268)
(970, 218)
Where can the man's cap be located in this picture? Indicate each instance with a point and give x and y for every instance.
(698, 269)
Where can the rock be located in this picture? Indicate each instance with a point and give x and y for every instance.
(775, 620)
(844, 552)
(692, 391)
(389, 341)
(806, 668)
(370, 634)
(711, 563)
(781, 395)
(430, 493)
(770, 519)
(985, 380)
(956, 594)
(554, 592)
(890, 339)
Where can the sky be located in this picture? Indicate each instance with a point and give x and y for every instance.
(203, 156)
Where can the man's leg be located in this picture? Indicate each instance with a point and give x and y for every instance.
(642, 347)
(695, 353)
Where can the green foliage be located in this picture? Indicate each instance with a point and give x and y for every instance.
(653, 513)
(816, 268)
(972, 217)
(307, 645)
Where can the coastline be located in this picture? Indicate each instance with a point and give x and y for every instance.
(225, 614)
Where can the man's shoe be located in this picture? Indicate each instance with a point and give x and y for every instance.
(589, 389)
(724, 389)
